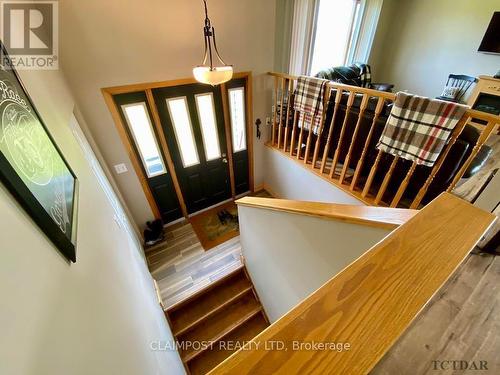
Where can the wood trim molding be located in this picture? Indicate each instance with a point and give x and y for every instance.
(371, 302)
(249, 117)
(270, 190)
(259, 187)
(382, 217)
(166, 152)
(355, 89)
(123, 89)
(127, 143)
(229, 142)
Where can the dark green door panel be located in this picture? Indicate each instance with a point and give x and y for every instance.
(164, 193)
(241, 181)
(161, 186)
(206, 183)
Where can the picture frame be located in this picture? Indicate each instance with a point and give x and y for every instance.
(32, 167)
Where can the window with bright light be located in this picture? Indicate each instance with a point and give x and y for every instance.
(140, 126)
(206, 114)
(237, 111)
(183, 130)
(336, 23)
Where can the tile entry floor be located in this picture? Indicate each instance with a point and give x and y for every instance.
(181, 266)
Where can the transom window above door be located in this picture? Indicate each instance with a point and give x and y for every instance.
(139, 123)
(183, 129)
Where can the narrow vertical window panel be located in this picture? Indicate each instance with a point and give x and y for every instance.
(208, 124)
(238, 121)
(333, 18)
(139, 124)
(183, 130)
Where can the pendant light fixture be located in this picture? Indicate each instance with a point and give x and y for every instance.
(210, 74)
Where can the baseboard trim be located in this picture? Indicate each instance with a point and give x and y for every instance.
(258, 187)
(267, 188)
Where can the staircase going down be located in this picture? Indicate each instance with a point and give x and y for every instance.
(216, 321)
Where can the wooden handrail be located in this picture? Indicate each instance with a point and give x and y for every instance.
(368, 215)
(371, 302)
(355, 89)
(387, 95)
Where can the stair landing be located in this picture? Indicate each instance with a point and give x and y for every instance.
(181, 266)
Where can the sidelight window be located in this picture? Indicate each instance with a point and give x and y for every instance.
(237, 111)
(139, 123)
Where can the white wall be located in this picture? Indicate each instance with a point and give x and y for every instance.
(97, 316)
(119, 42)
(289, 256)
(286, 179)
(420, 42)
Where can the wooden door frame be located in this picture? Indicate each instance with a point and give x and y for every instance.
(109, 92)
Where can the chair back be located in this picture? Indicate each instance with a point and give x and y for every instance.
(462, 82)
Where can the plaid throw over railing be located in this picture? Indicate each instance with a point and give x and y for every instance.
(309, 102)
(418, 128)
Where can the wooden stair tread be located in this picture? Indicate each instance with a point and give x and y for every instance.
(203, 306)
(181, 304)
(220, 324)
(207, 360)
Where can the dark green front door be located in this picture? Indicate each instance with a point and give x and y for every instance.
(193, 123)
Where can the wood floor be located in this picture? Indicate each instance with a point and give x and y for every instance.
(461, 322)
(469, 189)
(182, 267)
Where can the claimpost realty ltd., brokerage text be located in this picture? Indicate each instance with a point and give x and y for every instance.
(268, 345)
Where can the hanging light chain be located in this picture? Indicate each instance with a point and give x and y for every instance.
(212, 75)
(207, 20)
(209, 32)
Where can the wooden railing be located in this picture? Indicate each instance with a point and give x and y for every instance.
(369, 304)
(367, 174)
(382, 217)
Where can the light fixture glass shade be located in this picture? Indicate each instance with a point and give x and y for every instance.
(214, 76)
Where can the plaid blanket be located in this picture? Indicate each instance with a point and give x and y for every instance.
(365, 74)
(309, 102)
(418, 128)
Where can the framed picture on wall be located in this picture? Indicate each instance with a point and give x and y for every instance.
(32, 167)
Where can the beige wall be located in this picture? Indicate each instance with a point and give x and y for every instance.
(97, 316)
(118, 42)
(419, 42)
(287, 179)
(299, 254)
